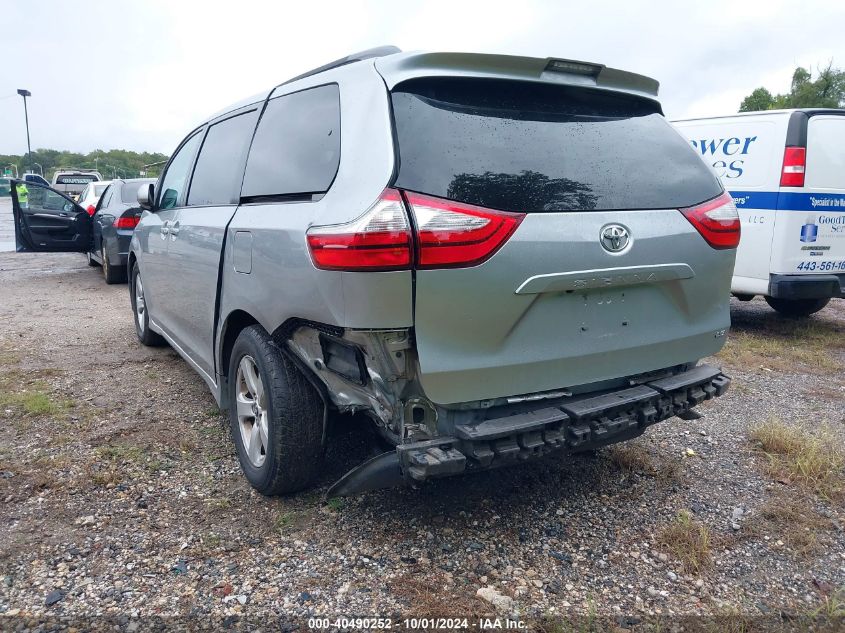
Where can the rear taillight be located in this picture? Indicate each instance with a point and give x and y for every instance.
(451, 234)
(794, 163)
(380, 239)
(127, 222)
(91, 209)
(716, 220)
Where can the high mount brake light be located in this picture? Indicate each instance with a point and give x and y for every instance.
(446, 234)
(452, 234)
(716, 220)
(380, 239)
(794, 163)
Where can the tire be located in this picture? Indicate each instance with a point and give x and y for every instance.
(142, 317)
(797, 307)
(91, 260)
(289, 455)
(112, 274)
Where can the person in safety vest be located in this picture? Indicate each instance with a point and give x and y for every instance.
(23, 195)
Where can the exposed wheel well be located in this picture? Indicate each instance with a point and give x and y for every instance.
(130, 264)
(235, 323)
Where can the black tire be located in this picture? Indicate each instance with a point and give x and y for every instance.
(294, 412)
(797, 307)
(142, 322)
(112, 274)
(91, 260)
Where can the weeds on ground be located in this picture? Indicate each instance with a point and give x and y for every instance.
(782, 344)
(688, 541)
(633, 457)
(813, 459)
(793, 520)
(426, 598)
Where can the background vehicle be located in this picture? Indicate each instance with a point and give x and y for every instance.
(30, 177)
(5, 184)
(500, 257)
(786, 172)
(73, 181)
(114, 219)
(90, 196)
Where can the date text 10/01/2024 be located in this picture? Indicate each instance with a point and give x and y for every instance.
(448, 624)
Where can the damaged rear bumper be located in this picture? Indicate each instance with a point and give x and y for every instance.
(577, 424)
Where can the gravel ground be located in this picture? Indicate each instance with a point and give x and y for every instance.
(120, 492)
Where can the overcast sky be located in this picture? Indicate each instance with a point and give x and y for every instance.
(139, 74)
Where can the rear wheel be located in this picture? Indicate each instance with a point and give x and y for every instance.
(139, 310)
(797, 307)
(113, 275)
(276, 416)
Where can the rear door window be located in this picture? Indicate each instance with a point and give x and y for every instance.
(219, 170)
(296, 149)
(531, 147)
(825, 156)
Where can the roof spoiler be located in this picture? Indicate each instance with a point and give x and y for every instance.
(370, 53)
(399, 68)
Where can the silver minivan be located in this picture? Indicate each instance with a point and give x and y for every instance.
(492, 257)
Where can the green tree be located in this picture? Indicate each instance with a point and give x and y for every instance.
(114, 162)
(826, 91)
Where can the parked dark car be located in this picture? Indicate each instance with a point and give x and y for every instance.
(115, 218)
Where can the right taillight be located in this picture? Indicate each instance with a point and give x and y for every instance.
(716, 220)
(794, 164)
(380, 239)
(91, 209)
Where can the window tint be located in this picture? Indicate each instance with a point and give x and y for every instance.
(76, 179)
(173, 185)
(219, 169)
(538, 147)
(39, 197)
(296, 149)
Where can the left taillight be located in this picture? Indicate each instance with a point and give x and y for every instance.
(716, 220)
(126, 222)
(380, 239)
(91, 209)
(794, 166)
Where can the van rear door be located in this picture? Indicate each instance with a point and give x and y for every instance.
(576, 265)
(810, 231)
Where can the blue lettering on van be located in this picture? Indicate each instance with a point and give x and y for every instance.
(789, 201)
(728, 147)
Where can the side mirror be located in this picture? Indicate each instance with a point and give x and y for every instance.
(146, 195)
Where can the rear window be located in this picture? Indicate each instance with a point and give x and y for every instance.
(542, 148)
(75, 179)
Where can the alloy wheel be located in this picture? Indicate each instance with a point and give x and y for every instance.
(252, 411)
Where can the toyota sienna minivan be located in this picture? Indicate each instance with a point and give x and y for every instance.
(492, 257)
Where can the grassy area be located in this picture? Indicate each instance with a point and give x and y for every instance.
(689, 541)
(813, 459)
(795, 521)
(634, 457)
(785, 345)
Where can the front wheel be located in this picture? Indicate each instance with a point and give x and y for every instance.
(797, 307)
(276, 416)
(139, 310)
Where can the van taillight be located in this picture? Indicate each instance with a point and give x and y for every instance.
(126, 222)
(794, 163)
(716, 220)
(446, 234)
(380, 239)
(452, 234)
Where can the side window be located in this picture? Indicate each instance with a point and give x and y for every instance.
(176, 177)
(105, 199)
(219, 168)
(84, 193)
(296, 149)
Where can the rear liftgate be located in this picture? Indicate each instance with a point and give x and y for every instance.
(578, 424)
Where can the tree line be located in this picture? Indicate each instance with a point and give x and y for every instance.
(113, 163)
(827, 90)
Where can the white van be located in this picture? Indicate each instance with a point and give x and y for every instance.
(74, 181)
(786, 172)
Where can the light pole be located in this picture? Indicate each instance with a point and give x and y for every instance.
(25, 94)
(40, 168)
